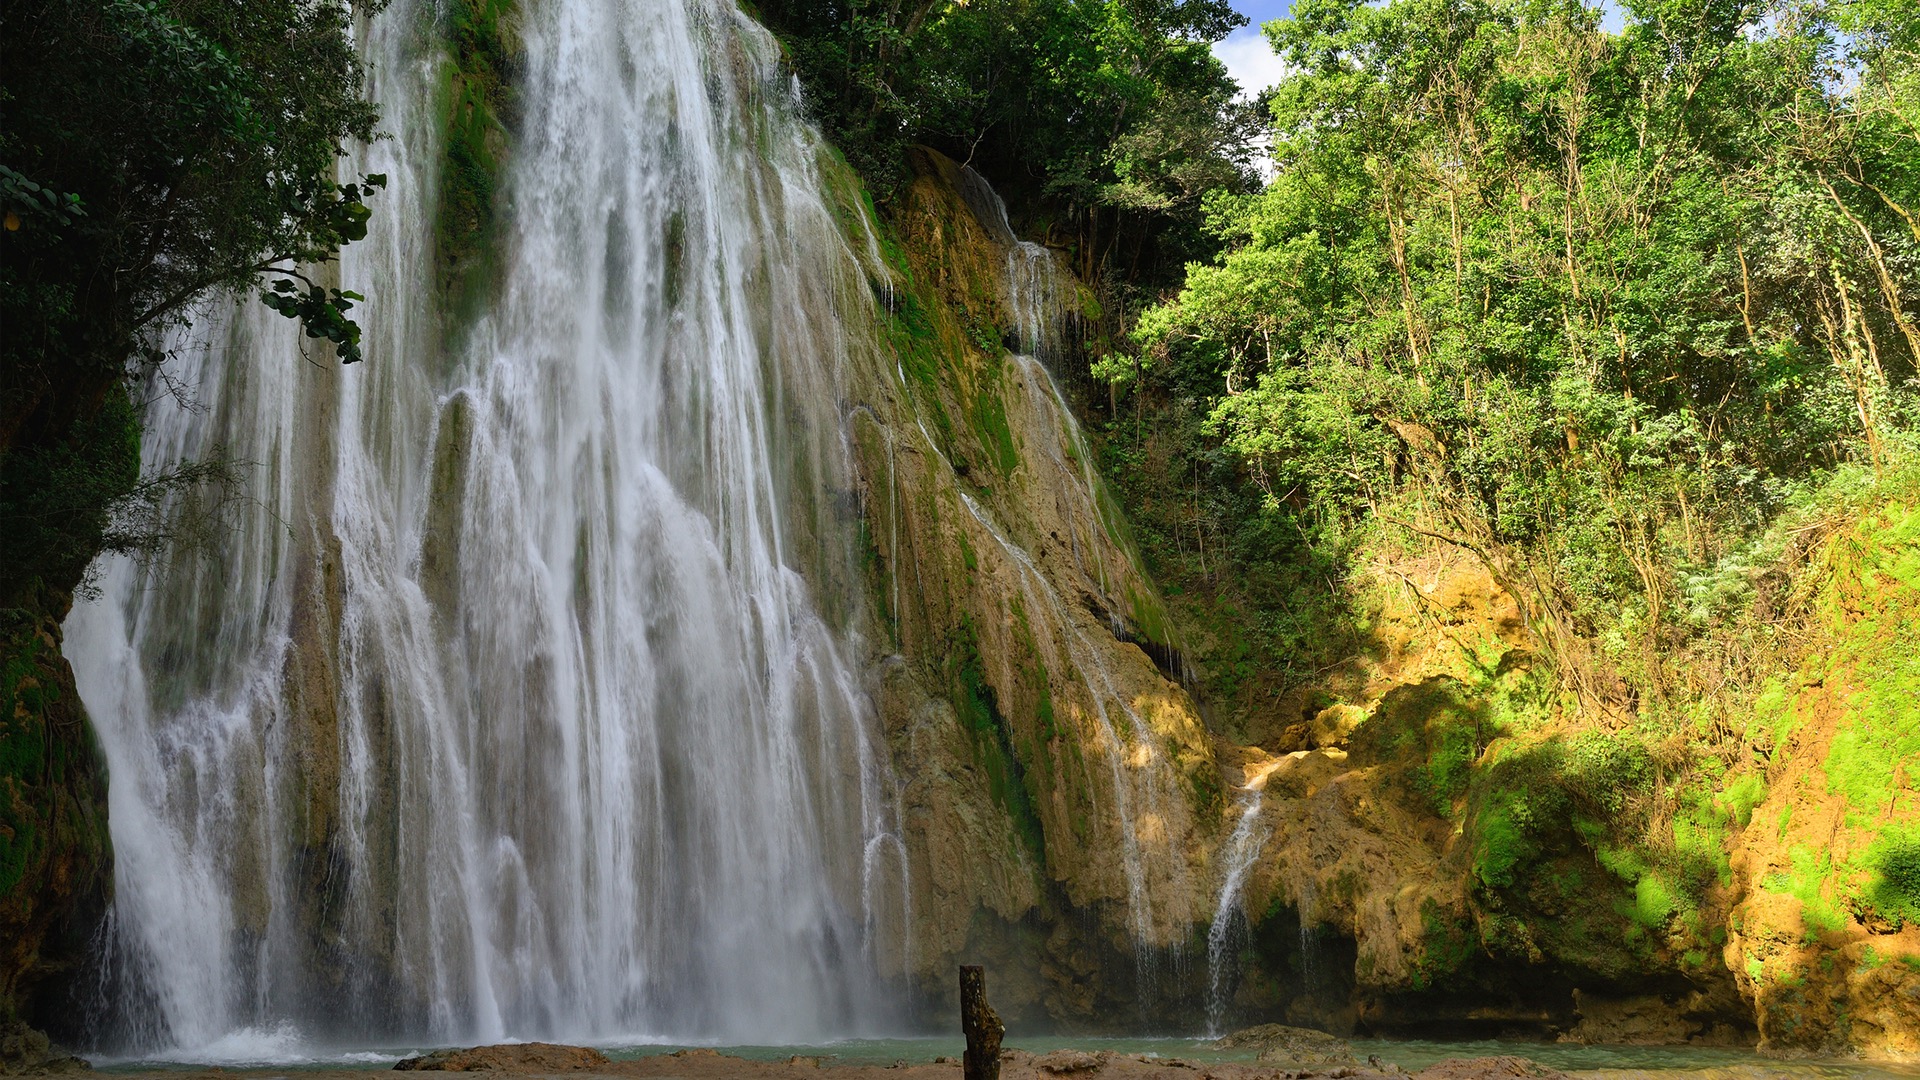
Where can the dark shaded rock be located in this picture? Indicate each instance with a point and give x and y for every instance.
(27, 1052)
(56, 858)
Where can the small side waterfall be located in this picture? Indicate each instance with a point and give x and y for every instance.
(1229, 920)
(1145, 788)
(526, 700)
(1039, 292)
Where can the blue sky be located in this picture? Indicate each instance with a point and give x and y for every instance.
(1254, 66)
(1245, 52)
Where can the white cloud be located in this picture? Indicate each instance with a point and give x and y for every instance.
(1250, 60)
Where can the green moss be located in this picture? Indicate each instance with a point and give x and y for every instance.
(23, 752)
(1742, 795)
(991, 428)
(1871, 605)
(916, 344)
(1043, 706)
(1502, 840)
(1433, 733)
(1205, 794)
(975, 702)
(1622, 862)
(1809, 880)
(1894, 860)
(479, 102)
(1653, 902)
(1445, 947)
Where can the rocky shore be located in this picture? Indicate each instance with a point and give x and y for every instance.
(1282, 1053)
(701, 1064)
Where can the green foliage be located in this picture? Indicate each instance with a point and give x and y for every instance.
(154, 150)
(1872, 602)
(1895, 861)
(56, 502)
(226, 118)
(1110, 119)
(1590, 307)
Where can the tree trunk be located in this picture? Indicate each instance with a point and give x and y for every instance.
(982, 1025)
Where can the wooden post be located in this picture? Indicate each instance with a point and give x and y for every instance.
(982, 1025)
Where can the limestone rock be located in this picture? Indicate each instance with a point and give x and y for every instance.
(1027, 668)
(1643, 1020)
(510, 1057)
(1279, 1044)
(1069, 1062)
(1332, 724)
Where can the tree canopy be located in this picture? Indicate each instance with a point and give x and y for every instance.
(1591, 306)
(152, 151)
(1105, 121)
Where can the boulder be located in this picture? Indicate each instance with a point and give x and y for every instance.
(1279, 1044)
(509, 1057)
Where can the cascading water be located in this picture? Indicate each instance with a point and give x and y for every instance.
(1229, 921)
(1144, 787)
(514, 706)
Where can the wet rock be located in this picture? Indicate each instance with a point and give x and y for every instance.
(56, 858)
(1279, 1044)
(514, 1057)
(25, 1051)
(1025, 676)
(1645, 1020)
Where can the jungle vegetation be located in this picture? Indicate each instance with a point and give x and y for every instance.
(152, 152)
(1105, 123)
(1594, 307)
(1629, 320)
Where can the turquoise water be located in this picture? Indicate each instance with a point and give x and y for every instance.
(1650, 1061)
(1412, 1054)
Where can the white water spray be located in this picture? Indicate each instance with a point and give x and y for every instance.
(514, 708)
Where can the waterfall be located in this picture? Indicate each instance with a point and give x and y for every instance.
(515, 705)
(1229, 921)
(1039, 292)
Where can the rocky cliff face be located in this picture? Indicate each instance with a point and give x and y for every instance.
(1062, 804)
(1445, 853)
(55, 856)
(1433, 846)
